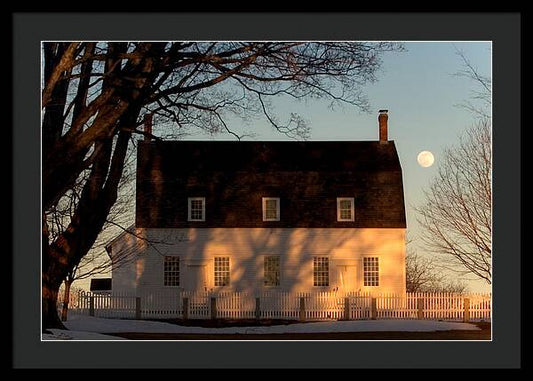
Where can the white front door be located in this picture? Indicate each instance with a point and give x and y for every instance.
(197, 278)
(346, 278)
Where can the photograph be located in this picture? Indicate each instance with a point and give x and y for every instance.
(266, 190)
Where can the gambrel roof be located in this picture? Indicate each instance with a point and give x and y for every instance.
(233, 176)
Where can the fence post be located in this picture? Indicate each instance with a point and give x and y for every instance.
(466, 313)
(138, 308)
(374, 309)
(213, 308)
(258, 308)
(347, 308)
(302, 308)
(185, 308)
(420, 308)
(91, 305)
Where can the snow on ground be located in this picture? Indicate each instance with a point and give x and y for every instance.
(60, 334)
(89, 324)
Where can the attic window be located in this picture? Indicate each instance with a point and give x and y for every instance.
(270, 208)
(345, 209)
(196, 209)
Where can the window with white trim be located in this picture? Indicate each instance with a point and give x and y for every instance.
(222, 271)
(320, 271)
(345, 209)
(272, 270)
(371, 271)
(196, 209)
(171, 271)
(270, 208)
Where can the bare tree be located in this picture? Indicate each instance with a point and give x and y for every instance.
(456, 217)
(95, 94)
(87, 268)
(480, 100)
(423, 274)
(96, 261)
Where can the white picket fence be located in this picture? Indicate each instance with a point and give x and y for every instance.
(284, 305)
(150, 305)
(279, 305)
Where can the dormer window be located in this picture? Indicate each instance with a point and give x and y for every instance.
(345, 209)
(196, 209)
(270, 208)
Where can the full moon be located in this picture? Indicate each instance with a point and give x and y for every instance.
(425, 159)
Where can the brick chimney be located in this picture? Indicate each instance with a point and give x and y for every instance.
(383, 128)
(148, 126)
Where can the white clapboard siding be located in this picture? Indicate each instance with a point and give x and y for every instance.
(296, 248)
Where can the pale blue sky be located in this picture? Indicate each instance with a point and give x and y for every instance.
(421, 92)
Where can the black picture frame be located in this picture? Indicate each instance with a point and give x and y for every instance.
(503, 29)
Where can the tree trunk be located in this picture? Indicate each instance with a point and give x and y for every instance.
(100, 190)
(97, 198)
(51, 281)
(66, 299)
(50, 318)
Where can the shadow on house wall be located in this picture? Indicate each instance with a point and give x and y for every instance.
(247, 248)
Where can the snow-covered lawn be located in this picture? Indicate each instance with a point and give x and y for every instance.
(90, 328)
(59, 334)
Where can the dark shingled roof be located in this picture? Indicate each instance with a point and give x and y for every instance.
(233, 176)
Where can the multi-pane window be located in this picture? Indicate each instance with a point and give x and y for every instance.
(272, 270)
(345, 209)
(270, 208)
(196, 210)
(371, 271)
(320, 271)
(221, 271)
(171, 271)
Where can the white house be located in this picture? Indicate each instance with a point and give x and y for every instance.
(253, 216)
